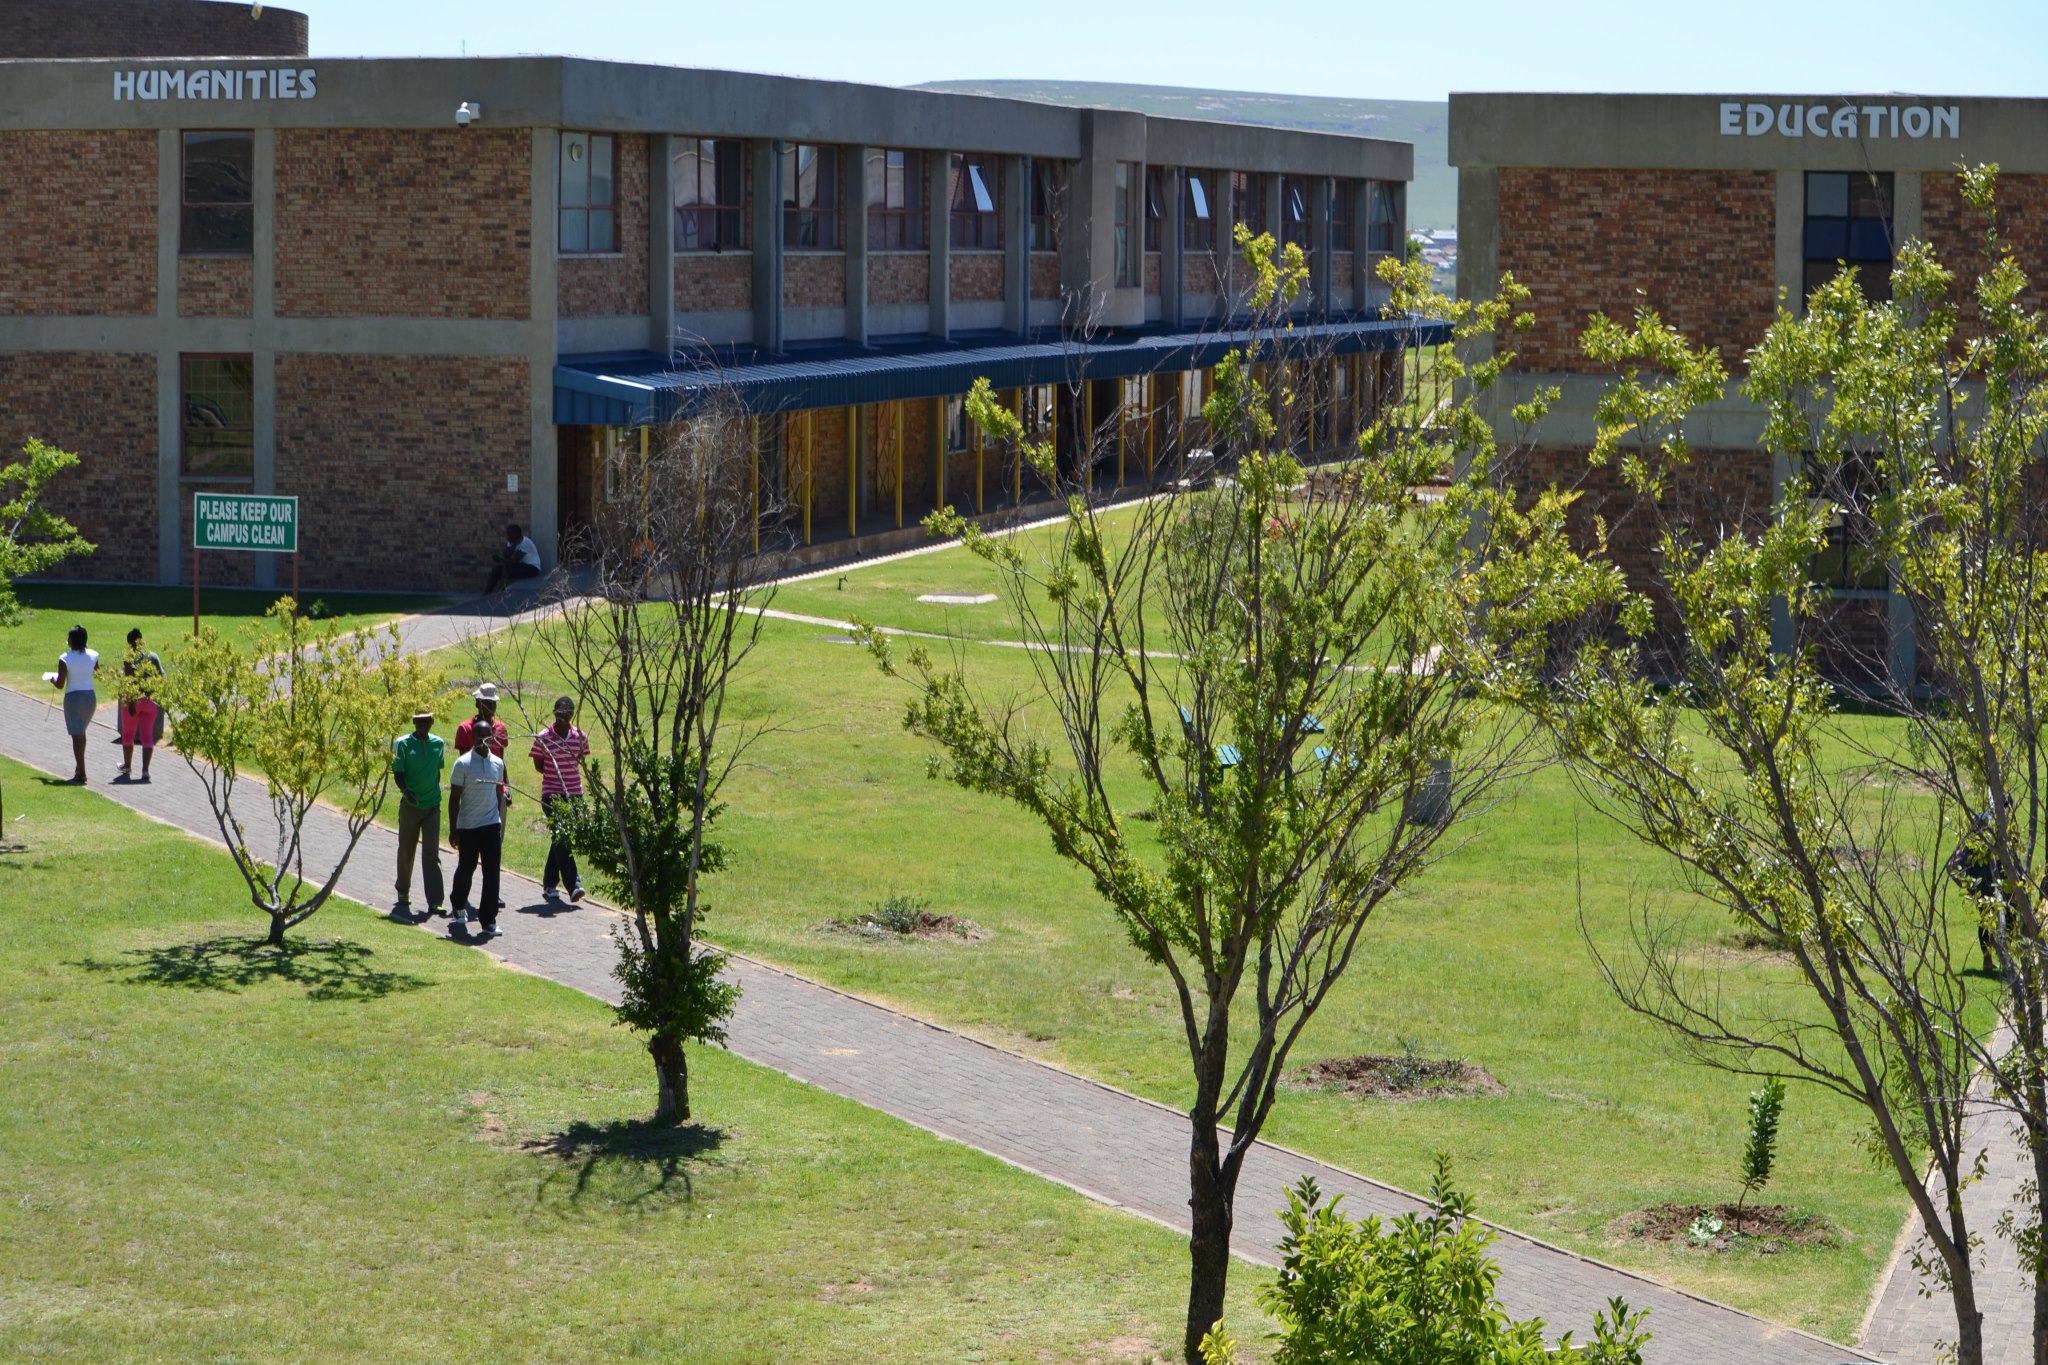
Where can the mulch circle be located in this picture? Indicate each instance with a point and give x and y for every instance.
(927, 926)
(1764, 1229)
(1377, 1076)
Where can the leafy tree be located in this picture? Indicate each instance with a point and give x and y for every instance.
(650, 651)
(1307, 681)
(1418, 1292)
(1760, 1153)
(33, 539)
(1914, 443)
(310, 713)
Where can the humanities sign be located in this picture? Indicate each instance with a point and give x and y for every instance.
(241, 521)
(229, 83)
(1751, 119)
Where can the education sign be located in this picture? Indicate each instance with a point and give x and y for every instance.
(243, 521)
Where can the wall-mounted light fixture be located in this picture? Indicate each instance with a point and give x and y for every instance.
(468, 112)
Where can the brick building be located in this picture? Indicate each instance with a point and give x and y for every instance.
(1714, 210)
(382, 284)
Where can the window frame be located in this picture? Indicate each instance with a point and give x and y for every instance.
(1198, 210)
(1155, 211)
(1816, 270)
(187, 207)
(910, 219)
(1129, 262)
(971, 229)
(187, 428)
(822, 215)
(1297, 207)
(1248, 188)
(1343, 204)
(1049, 179)
(591, 207)
(1387, 194)
(691, 217)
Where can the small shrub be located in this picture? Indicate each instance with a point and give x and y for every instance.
(1761, 1152)
(899, 914)
(1704, 1229)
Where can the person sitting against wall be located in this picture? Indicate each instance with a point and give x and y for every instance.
(520, 558)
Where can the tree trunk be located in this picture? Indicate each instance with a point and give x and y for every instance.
(672, 1071)
(1209, 1204)
(276, 930)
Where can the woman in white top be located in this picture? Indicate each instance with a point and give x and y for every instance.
(75, 668)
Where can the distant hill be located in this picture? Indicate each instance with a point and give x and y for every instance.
(1432, 202)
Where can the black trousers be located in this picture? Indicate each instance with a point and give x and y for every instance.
(561, 866)
(482, 845)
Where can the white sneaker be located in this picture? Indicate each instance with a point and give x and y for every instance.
(493, 931)
(458, 923)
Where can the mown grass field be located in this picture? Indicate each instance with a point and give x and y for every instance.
(1486, 959)
(386, 1148)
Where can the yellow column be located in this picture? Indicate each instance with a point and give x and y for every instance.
(1087, 451)
(852, 472)
(897, 408)
(810, 462)
(1123, 419)
(1151, 424)
(977, 467)
(754, 447)
(939, 453)
(1017, 462)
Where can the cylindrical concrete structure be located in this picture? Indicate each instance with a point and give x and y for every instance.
(147, 28)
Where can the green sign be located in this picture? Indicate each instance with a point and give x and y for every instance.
(245, 521)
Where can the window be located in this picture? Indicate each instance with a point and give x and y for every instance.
(957, 424)
(1382, 216)
(1849, 222)
(1048, 203)
(1248, 201)
(220, 416)
(810, 197)
(1198, 222)
(896, 217)
(710, 189)
(1128, 182)
(219, 215)
(589, 195)
(1294, 202)
(1155, 205)
(1343, 201)
(976, 202)
(1847, 562)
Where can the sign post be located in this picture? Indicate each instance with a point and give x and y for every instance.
(244, 521)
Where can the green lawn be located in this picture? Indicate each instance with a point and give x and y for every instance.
(164, 615)
(394, 1150)
(1483, 961)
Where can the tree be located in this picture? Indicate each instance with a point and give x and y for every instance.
(1418, 1292)
(33, 539)
(1760, 1152)
(311, 713)
(1257, 711)
(1914, 444)
(650, 651)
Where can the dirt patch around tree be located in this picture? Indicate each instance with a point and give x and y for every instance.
(905, 918)
(1378, 1076)
(1760, 1230)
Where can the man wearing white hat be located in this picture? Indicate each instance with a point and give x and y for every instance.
(486, 697)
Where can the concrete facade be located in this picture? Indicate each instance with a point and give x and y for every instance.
(404, 295)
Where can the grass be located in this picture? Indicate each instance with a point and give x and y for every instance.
(164, 616)
(1482, 960)
(382, 1147)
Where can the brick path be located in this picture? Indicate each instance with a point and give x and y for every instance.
(1108, 1145)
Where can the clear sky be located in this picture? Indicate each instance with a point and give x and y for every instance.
(1396, 49)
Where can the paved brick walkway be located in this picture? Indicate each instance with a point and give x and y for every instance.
(1109, 1145)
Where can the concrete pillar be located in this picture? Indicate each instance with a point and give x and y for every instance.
(1365, 281)
(855, 233)
(1017, 178)
(1319, 246)
(767, 242)
(939, 204)
(545, 265)
(1478, 242)
(1223, 212)
(263, 352)
(661, 244)
(1170, 227)
(1789, 254)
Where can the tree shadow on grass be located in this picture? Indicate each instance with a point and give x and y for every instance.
(627, 1163)
(329, 969)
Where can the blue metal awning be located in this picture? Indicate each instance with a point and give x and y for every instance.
(642, 388)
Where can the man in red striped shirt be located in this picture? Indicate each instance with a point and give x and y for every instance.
(558, 753)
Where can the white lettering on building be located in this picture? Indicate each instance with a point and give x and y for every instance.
(277, 83)
(1749, 118)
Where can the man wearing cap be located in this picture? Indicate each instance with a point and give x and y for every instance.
(416, 764)
(486, 696)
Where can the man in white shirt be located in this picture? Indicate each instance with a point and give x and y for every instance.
(477, 798)
(519, 559)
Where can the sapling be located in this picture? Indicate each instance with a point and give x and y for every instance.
(1761, 1154)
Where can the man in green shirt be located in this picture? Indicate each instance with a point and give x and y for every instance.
(416, 764)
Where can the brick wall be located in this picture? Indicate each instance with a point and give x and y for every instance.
(1152, 274)
(103, 406)
(215, 286)
(381, 481)
(1045, 274)
(1700, 245)
(403, 222)
(977, 276)
(1956, 232)
(1343, 268)
(828, 472)
(1198, 273)
(149, 28)
(715, 282)
(78, 223)
(899, 277)
(917, 456)
(814, 279)
(613, 285)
